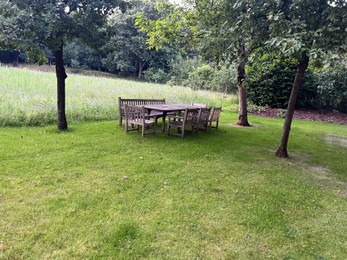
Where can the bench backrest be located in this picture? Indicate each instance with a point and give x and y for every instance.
(139, 102)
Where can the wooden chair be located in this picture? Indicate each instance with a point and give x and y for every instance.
(214, 117)
(138, 102)
(135, 116)
(187, 119)
(203, 117)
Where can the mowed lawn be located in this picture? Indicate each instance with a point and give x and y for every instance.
(96, 192)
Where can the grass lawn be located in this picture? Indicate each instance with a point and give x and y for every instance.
(96, 192)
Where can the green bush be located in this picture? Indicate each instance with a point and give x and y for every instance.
(270, 82)
(156, 75)
(180, 68)
(200, 75)
(270, 79)
(332, 89)
(225, 79)
(77, 55)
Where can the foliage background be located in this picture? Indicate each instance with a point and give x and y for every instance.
(271, 78)
(122, 50)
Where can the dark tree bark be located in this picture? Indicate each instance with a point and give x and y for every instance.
(301, 68)
(141, 65)
(241, 77)
(61, 76)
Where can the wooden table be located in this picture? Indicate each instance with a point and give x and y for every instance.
(165, 109)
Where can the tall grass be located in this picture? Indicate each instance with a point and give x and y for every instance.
(28, 97)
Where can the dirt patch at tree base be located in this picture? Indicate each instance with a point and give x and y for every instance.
(303, 114)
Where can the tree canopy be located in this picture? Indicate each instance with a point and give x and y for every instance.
(306, 29)
(223, 30)
(25, 25)
(126, 49)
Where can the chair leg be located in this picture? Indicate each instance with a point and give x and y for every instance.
(196, 129)
(143, 130)
(193, 130)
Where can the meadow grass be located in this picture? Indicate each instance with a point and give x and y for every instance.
(28, 97)
(96, 192)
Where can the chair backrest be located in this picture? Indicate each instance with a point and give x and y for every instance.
(204, 114)
(215, 114)
(190, 116)
(187, 118)
(135, 113)
(135, 102)
(200, 105)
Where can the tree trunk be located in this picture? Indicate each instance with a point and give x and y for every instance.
(61, 76)
(141, 65)
(301, 68)
(241, 77)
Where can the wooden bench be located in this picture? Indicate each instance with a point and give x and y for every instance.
(138, 102)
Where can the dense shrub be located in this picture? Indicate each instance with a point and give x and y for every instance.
(270, 82)
(77, 55)
(214, 78)
(180, 68)
(332, 89)
(156, 75)
(200, 75)
(225, 79)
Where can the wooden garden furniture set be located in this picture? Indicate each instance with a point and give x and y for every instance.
(144, 113)
(138, 102)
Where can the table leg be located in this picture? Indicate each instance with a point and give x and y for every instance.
(163, 124)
